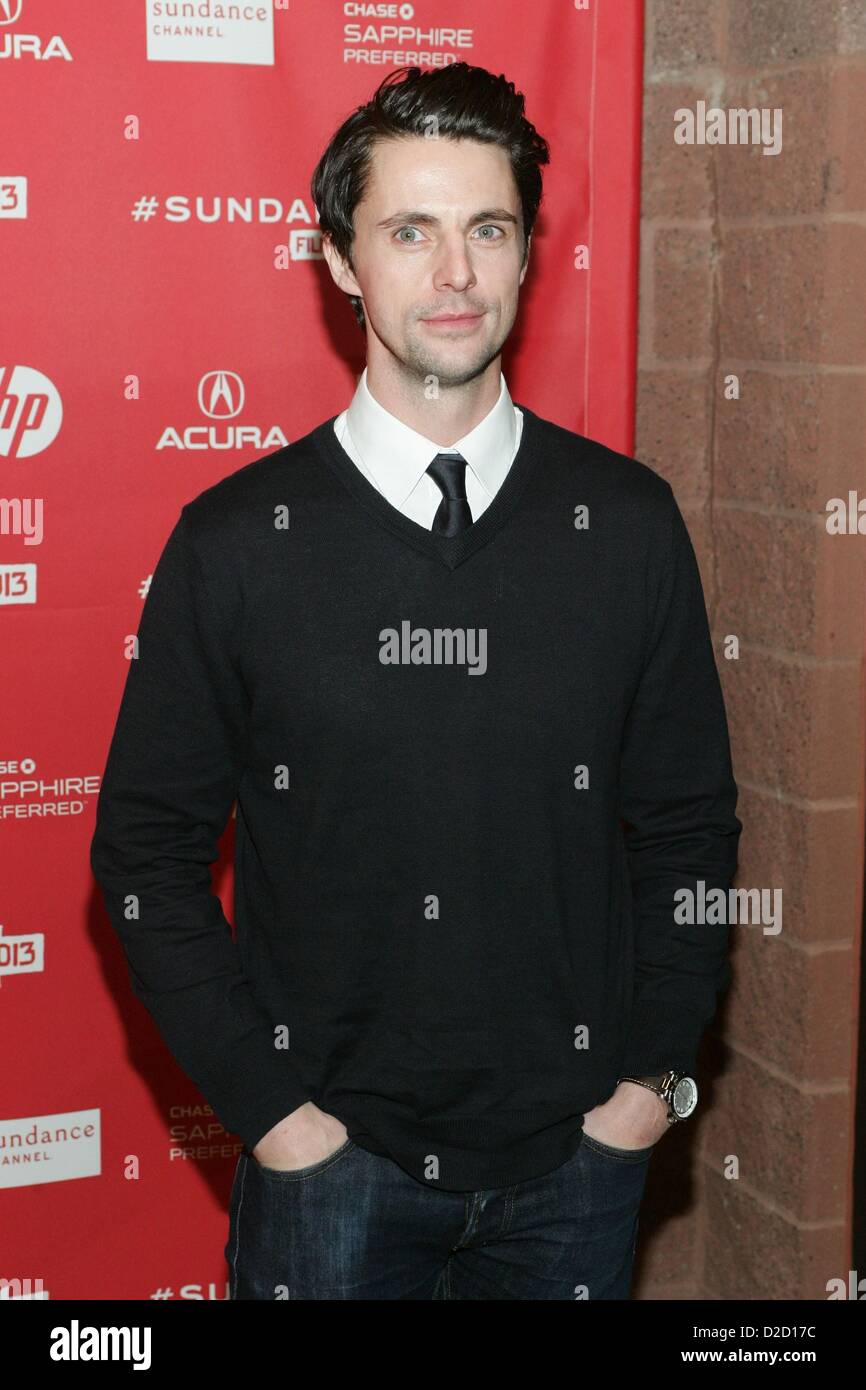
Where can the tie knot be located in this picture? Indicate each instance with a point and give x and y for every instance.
(448, 471)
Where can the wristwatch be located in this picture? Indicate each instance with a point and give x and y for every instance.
(679, 1091)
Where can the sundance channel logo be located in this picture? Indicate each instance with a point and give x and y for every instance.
(50, 1148)
(210, 31)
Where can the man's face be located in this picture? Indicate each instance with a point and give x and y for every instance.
(438, 232)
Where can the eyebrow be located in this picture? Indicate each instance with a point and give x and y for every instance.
(428, 220)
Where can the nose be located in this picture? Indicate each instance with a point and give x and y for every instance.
(454, 269)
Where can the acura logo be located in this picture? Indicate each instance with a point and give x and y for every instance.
(221, 395)
(221, 398)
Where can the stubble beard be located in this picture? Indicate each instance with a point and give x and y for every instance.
(421, 361)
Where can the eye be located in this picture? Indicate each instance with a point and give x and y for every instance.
(487, 227)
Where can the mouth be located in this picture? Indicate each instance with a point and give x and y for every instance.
(454, 321)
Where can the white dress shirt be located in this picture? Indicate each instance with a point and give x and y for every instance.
(394, 457)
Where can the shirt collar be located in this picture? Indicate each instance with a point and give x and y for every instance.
(397, 456)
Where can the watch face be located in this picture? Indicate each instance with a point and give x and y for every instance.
(685, 1097)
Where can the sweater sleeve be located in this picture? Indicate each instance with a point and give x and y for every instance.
(678, 795)
(171, 778)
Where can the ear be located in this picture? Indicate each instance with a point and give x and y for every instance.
(340, 272)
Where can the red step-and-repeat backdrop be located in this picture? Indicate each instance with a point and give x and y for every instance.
(159, 237)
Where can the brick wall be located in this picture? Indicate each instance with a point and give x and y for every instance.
(753, 266)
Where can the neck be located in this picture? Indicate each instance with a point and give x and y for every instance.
(451, 415)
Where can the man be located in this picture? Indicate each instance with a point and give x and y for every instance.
(453, 664)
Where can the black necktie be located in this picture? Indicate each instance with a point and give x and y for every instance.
(448, 472)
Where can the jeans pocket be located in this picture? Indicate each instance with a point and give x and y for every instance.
(612, 1151)
(231, 1247)
(310, 1171)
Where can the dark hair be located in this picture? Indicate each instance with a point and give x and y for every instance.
(458, 102)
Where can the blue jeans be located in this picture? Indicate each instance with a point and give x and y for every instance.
(356, 1226)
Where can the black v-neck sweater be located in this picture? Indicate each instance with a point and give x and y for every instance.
(472, 775)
